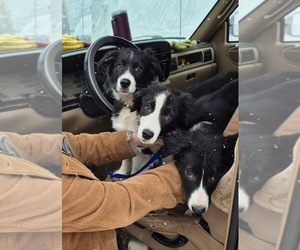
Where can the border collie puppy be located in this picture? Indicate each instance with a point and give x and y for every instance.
(202, 157)
(128, 71)
(172, 109)
(162, 110)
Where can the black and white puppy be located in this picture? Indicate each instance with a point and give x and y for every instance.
(162, 110)
(203, 156)
(128, 71)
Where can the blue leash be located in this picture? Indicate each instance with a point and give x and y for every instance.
(153, 158)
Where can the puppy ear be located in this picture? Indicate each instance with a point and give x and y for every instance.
(190, 115)
(137, 101)
(228, 151)
(154, 63)
(149, 51)
(103, 66)
(155, 69)
(176, 143)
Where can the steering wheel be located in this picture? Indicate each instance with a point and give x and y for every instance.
(95, 87)
(49, 70)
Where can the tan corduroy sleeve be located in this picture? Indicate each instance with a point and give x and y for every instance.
(41, 149)
(99, 149)
(91, 205)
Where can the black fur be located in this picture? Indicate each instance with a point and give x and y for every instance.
(200, 151)
(220, 105)
(178, 111)
(144, 65)
(211, 85)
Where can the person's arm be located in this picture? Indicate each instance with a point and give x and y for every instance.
(41, 149)
(91, 205)
(99, 149)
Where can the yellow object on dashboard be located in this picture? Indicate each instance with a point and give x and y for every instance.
(70, 42)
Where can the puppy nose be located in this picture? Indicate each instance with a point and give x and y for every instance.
(198, 210)
(147, 134)
(125, 83)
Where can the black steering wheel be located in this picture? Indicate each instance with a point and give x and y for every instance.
(49, 70)
(95, 87)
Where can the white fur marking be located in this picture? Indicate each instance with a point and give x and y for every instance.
(199, 197)
(130, 77)
(126, 120)
(152, 121)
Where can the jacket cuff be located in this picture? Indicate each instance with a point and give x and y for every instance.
(98, 149)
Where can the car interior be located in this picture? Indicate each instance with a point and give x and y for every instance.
(60, 91)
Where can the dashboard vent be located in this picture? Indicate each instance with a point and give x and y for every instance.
(173, 64)
(207, 56)
(247, 55)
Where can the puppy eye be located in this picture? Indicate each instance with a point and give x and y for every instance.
(168, 117)
(190, 175)
(147, 107)
(138, 68)
(189, 172)
(120, 66)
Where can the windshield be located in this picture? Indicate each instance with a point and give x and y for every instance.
(90, 19)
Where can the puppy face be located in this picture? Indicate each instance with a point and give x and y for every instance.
(161, 110)
(130, 69)
(202, 159)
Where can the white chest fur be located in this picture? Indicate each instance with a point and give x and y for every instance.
(125, 120)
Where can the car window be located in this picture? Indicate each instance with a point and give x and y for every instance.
(91, 19)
